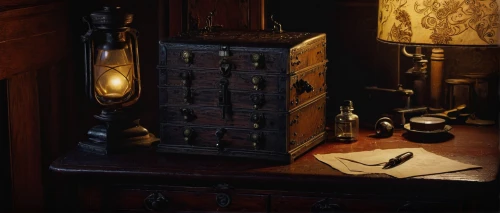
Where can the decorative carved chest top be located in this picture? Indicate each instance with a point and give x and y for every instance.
(246, 38)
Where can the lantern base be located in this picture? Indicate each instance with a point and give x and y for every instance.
(119, 133)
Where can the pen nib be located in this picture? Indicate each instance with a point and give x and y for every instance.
(393, 162)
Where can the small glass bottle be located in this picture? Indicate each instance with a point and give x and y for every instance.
(346, 123)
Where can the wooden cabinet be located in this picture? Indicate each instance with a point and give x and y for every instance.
(184, 15)
(146, 180)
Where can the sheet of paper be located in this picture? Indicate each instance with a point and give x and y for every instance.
(422, 163)
(335, 163)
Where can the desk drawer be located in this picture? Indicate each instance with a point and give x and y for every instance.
(187, 199)
(291, 204)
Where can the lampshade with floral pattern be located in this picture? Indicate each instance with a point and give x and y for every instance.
(439, 22)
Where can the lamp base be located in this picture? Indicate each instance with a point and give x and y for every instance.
(119, 133)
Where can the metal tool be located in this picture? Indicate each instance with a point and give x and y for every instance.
(451, 114)
(398, 160)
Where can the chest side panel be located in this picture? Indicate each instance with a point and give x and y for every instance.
(308, 53)
(307, 122)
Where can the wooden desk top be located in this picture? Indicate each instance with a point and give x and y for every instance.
(473, 145)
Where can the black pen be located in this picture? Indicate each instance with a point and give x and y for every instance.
(398, 160)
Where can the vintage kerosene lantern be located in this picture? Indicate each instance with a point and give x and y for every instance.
(113, 81)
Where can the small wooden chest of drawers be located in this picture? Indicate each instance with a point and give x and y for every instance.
(247, 94)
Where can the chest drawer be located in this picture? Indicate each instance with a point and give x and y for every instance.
(248, 119)
(222, 140)
(271, 60)
(236, 99)
(209, 79)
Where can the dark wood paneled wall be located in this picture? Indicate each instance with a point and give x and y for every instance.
(25, 141)
(34, 50)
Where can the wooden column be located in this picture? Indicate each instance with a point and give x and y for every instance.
(436, 90)
(25, 142)
(176, 15)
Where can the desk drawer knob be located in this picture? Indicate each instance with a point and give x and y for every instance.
(222, 199)
(325, 205)
(155, 202)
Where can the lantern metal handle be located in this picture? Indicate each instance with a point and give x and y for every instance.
(88, 45)
(134, 34)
